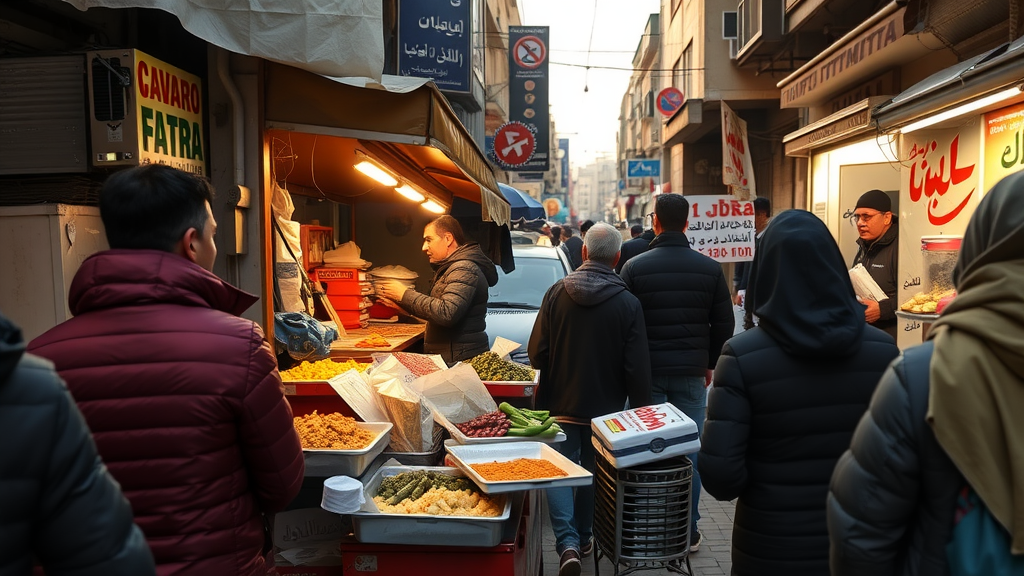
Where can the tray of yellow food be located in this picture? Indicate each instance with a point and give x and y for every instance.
(320, 370)
(499, 468)
(927, 302)
(429, 506)
(337, 445)
(374, 340)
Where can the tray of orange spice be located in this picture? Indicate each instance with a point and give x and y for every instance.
(499, 468)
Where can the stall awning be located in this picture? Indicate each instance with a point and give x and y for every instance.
(405, 124)
(995, 70)
(339, 38)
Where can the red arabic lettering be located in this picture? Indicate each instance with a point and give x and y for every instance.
(650, 417)
(935, 180)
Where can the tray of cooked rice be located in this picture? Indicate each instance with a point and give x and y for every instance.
(430, 506)
(337, 445)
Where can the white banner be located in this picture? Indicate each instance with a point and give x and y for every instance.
(737, 167)
(721, 228)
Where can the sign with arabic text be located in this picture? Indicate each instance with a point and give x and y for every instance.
(737, 167)
(721, 228)
(435, 41)
(1004, 144)
(528, 93)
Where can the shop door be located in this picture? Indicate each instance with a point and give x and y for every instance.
(854, 180)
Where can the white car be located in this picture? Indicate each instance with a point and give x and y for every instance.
(513, 302)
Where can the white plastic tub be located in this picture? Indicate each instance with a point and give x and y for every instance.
(322, 462)
(642, 435)
(371, 526)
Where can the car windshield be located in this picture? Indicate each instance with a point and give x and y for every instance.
(526, 285)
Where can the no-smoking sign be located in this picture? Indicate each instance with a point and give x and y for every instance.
(514, 144)
(529, 52)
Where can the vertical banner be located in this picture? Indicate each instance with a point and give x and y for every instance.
(563, 147)
(435, 41)
(1004, 144)
(737, 166)
(721, 228)
(940, 182)
(523, 144)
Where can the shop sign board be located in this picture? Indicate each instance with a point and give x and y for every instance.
(843, 65)
(1004, 144)
(737, 166)
(170, 115)
(643, 167)
(435, 41)
(721, 227)
(940, 187)
(528, 97)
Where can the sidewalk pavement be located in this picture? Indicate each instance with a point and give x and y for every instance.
(713, 559)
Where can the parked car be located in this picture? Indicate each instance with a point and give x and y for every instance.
(513, 302)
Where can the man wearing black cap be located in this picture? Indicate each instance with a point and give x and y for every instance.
(879, 253)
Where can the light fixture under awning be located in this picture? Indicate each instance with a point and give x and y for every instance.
(405, 122)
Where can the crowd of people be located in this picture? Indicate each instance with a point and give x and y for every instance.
(160, 441)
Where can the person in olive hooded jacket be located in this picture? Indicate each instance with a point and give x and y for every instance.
(946, 415)
(787, 396)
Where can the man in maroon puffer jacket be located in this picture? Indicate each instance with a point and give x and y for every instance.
(183, 396)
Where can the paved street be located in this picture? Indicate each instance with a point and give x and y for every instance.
(713, 558)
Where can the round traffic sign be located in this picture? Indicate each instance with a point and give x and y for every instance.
(529, 52)
(669, 100)
(514, 144)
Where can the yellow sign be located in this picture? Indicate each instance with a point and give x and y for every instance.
(1004, 143)
(170, 115)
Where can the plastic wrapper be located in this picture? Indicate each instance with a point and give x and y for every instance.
(413, 421)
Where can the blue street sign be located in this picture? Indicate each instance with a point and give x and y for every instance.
(641, 168)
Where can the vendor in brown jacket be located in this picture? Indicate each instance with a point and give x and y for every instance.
(456, 307)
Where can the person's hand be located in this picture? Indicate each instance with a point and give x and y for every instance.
(737, 299)
(707, 377)
(871, 313)
(392, 290)
(388, 303)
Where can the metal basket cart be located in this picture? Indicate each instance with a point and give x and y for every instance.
(642, 515)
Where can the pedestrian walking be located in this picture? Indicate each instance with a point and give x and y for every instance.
(59, 507)
(741, 275)
(590, 345)
(787, 397)
(944, 421)
(688, 314)
(573, 246)
(183, 395)
(637, 244)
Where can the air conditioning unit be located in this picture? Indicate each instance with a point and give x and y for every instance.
(143, 111)
(730, 25)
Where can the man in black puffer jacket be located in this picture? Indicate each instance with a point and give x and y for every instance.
(58, 504)
(688, 312)
(456, 308)
(788, 395)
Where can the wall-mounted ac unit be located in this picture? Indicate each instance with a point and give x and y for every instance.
(143, 110)
(730, 25)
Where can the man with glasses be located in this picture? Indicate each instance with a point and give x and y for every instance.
(879, 253)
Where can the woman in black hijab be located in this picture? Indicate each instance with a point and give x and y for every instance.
(787, 396)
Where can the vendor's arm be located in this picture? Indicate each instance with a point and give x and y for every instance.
(452, 305)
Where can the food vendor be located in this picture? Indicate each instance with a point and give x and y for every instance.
(457, 303)
(878, 251)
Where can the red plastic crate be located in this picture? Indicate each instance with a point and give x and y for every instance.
(305, 397)
(346, 302)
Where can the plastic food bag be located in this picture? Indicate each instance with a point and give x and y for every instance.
(413, 421)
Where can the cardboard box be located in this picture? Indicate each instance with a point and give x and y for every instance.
(642, 435)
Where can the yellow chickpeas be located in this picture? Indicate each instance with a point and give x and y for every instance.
(320, 370)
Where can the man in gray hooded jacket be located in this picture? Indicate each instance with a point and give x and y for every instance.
(590, 344)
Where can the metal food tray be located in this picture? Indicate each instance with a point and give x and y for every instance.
(464, 456)
(371, 526)
(326, 462)
(461, 438)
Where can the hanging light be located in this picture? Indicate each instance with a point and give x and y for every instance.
(431, 206)
(375, 171)
(410, 193)
(963, 109)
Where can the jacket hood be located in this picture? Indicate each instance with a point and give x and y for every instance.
(133, 277)
(12, 346)
(592, 283)
(800, 289)
(474, 254)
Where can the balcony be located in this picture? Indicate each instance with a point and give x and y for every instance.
(760, 29)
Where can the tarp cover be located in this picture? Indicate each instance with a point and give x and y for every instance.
(334, 38)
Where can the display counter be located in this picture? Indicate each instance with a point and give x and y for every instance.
(400, 336)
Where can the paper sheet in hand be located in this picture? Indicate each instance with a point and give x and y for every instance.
(864, 285)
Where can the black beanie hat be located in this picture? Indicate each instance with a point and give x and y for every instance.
(875, 199)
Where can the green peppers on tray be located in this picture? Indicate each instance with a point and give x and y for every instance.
(534, 423)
